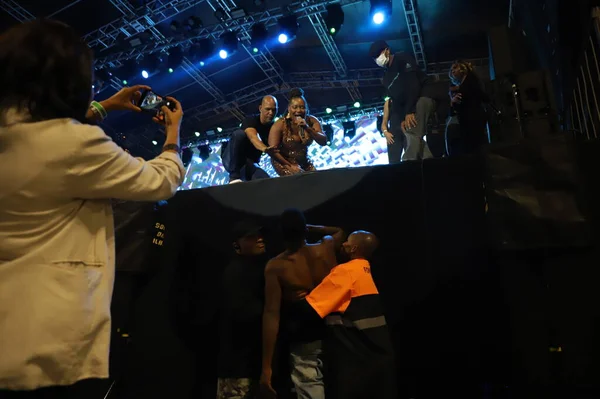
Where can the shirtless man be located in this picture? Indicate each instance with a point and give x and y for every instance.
(288, 277)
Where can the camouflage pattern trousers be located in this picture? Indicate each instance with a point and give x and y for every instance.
(237, 388)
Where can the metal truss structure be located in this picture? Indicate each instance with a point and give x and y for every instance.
(333, 52)
(22, 15)
(137, 21)
(16, 11)
(268, 17)
(124, 7)
(414, 30)
(263, 58)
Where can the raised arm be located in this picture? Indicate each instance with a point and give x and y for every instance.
(271, 316)
(337, 234)
(316, 131)
(100, 169)
(275, 137)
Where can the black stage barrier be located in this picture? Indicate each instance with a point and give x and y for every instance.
(445, 294)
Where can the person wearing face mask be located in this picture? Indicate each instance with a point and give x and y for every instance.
(292, 135)
(411, 98)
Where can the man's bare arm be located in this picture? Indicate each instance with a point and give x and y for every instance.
(271, 317)
(254, 138)
(337, 233)
(386, 117)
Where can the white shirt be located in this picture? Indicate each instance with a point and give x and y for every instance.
(57, 263)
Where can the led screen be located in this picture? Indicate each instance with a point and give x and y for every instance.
(367, 147)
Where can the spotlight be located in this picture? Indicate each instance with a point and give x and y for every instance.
(349, 129)
(334, 18)
(186, 156)
(170, 70)
(288, 27)
(357, 105)
(125, 83)
(204, 152)
(259, 35)
(175, 57)
(386, 98)
(202, 50)
(328, 130)
(219, 129)
(220, 14)
(197, 134)
(194, 22)
(380, 10)
(201, 63)
(328, 110)
(154, 142)
(230, 44)
(145, 74)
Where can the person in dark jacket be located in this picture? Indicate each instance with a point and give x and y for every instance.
(468, 99)
(240, 349)
(411, 97)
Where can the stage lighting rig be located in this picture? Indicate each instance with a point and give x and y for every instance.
(194, 22)
(175, 58)
(230, 44)
(349, 129)
(259, 35)
(328, 130)
(380, 10)
(334, 18)
(202, 50)
(288, 28)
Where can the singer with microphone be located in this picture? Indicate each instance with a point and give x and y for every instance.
(293, 135)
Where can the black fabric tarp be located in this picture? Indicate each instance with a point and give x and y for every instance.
(430, 266)
(457, 311)
(535, 198)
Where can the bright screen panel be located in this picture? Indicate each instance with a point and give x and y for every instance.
(366, 148)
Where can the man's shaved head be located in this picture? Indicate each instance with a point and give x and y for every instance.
(268, 109)
(361, 244)
(269, 100)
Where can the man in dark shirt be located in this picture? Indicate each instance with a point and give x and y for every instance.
(411, 98)
(240, 319)
(246, 145)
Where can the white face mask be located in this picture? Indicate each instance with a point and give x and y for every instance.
(382, 60)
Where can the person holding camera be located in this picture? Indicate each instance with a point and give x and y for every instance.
(57, 176)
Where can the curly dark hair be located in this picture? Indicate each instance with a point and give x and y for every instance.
(297, 93)
(46, 71)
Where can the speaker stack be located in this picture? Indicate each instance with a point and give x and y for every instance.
(523, 97)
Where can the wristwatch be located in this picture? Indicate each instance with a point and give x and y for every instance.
(172, 147)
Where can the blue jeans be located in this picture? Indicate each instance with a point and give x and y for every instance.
(307, 370)
(241, 159)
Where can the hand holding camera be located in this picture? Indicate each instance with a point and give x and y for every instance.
(170, 114)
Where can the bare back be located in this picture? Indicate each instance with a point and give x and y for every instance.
(301, 271)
